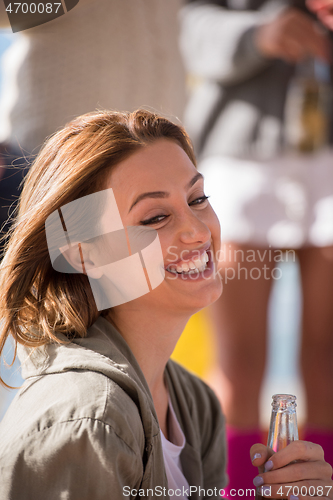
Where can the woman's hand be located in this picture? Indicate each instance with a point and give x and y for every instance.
(308, 478)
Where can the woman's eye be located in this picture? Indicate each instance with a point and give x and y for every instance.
(160, 218)
(154, 220)
(199, 201)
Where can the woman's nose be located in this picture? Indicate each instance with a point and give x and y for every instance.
(192, 229)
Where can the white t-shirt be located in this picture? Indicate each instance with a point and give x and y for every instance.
(171, 454)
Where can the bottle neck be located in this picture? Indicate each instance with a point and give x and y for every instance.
(283, 426)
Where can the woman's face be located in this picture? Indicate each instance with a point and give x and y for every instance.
(159, 187)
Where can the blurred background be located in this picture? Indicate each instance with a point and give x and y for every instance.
(252, 83)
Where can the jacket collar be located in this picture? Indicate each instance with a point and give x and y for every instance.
(103, 350)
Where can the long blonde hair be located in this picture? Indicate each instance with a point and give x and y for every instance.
(37, 302)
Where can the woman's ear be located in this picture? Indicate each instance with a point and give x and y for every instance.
(79, 257)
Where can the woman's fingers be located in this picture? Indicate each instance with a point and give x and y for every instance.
(305, 471)
(298, 470)
(301, 463)
(297, 450)
(259, 455)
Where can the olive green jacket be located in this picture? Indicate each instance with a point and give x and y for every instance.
(84, 427)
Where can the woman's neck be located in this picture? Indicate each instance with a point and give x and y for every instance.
(152, 339)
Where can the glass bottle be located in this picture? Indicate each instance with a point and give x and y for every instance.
(283, 426)
(308, 107)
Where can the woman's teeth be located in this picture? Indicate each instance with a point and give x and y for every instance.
(194, 266)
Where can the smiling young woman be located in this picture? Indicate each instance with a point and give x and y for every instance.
(104, 413)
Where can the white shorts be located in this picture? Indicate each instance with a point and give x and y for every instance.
(283, 203)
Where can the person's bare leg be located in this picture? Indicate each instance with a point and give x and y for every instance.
(317, 339)
(317, 345)
(240, 325)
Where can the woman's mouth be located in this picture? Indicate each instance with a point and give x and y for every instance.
(195, 265)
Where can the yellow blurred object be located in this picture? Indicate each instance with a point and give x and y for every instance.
(313, 122)
(195, 348)
(308, 107)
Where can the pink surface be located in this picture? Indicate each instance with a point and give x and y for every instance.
(240, 469)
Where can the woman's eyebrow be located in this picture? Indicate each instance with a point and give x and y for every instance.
(163, 194)
(152, 194)
(196, 178)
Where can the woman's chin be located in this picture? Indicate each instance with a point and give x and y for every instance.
(195, 302)
(174, 298)
(212, 298)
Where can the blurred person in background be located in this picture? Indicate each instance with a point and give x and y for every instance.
(265, 151)
(106, 54)
(85, 60)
